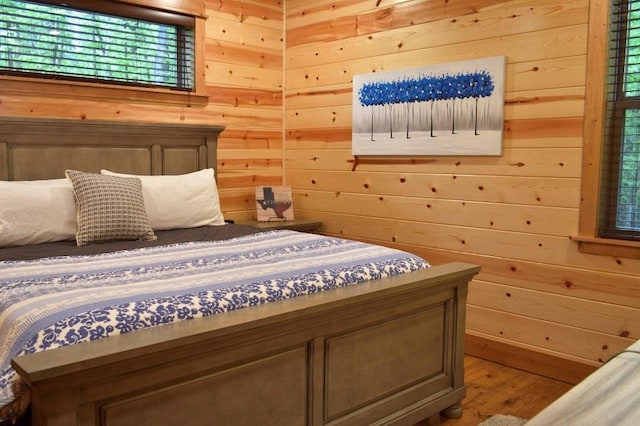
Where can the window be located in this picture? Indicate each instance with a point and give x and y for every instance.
(184, 19)
(97, 41)
(621, 192)
(610, 210)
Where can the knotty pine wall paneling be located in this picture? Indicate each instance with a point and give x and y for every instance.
(245, 48)
(538, 304)
(243, 73)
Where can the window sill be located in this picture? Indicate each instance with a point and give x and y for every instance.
(95, 91)
(608, 247)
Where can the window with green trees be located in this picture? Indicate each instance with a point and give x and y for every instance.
(97, 41)
(621, 173)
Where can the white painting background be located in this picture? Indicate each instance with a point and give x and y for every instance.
(390, 137)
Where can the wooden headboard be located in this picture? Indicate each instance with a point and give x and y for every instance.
(44, 148)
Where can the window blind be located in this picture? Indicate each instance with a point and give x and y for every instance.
(621, 142)
(97, 41)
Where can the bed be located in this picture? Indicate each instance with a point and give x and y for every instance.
(610, 396)
(294, 331)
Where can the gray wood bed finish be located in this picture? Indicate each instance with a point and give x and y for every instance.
(385, 352)
(44, 148)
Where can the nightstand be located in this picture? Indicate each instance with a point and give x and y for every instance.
(294, 225)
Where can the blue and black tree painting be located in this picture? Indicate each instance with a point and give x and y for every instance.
(372, 94)
(430, 89)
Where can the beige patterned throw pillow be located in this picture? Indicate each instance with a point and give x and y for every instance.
(109, 208)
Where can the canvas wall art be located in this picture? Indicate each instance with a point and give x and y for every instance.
(454, 108)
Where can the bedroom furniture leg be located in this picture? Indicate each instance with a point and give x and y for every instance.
(453, 412)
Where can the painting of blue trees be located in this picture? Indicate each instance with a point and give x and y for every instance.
(455, 108)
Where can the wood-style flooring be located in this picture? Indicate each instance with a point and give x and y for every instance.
(497, 389)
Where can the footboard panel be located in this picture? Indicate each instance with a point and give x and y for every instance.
(223, 397)
(389, 352)
(400, 353)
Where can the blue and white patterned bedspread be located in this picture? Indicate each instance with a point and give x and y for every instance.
(53, 302)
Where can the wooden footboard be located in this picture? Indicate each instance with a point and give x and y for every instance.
(385, 352)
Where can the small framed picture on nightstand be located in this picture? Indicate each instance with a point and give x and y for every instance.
(274, 203)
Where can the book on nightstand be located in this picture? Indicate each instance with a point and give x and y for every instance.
(274, 203)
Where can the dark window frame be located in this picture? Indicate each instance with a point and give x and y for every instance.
(620, 105)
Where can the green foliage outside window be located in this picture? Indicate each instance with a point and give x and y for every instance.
(50, 40)
(627, 183)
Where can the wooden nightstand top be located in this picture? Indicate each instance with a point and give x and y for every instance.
(294, 225)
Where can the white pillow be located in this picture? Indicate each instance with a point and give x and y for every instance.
(38, 211)
(180, 201)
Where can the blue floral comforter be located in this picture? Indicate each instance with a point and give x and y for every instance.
(59, 301)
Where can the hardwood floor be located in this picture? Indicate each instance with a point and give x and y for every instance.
(497, 389)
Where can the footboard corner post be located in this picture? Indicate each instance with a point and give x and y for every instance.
(4, 161)
(452, 412)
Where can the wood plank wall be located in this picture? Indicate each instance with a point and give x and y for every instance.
(244, 82)
(539, 303)
(245, 49)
